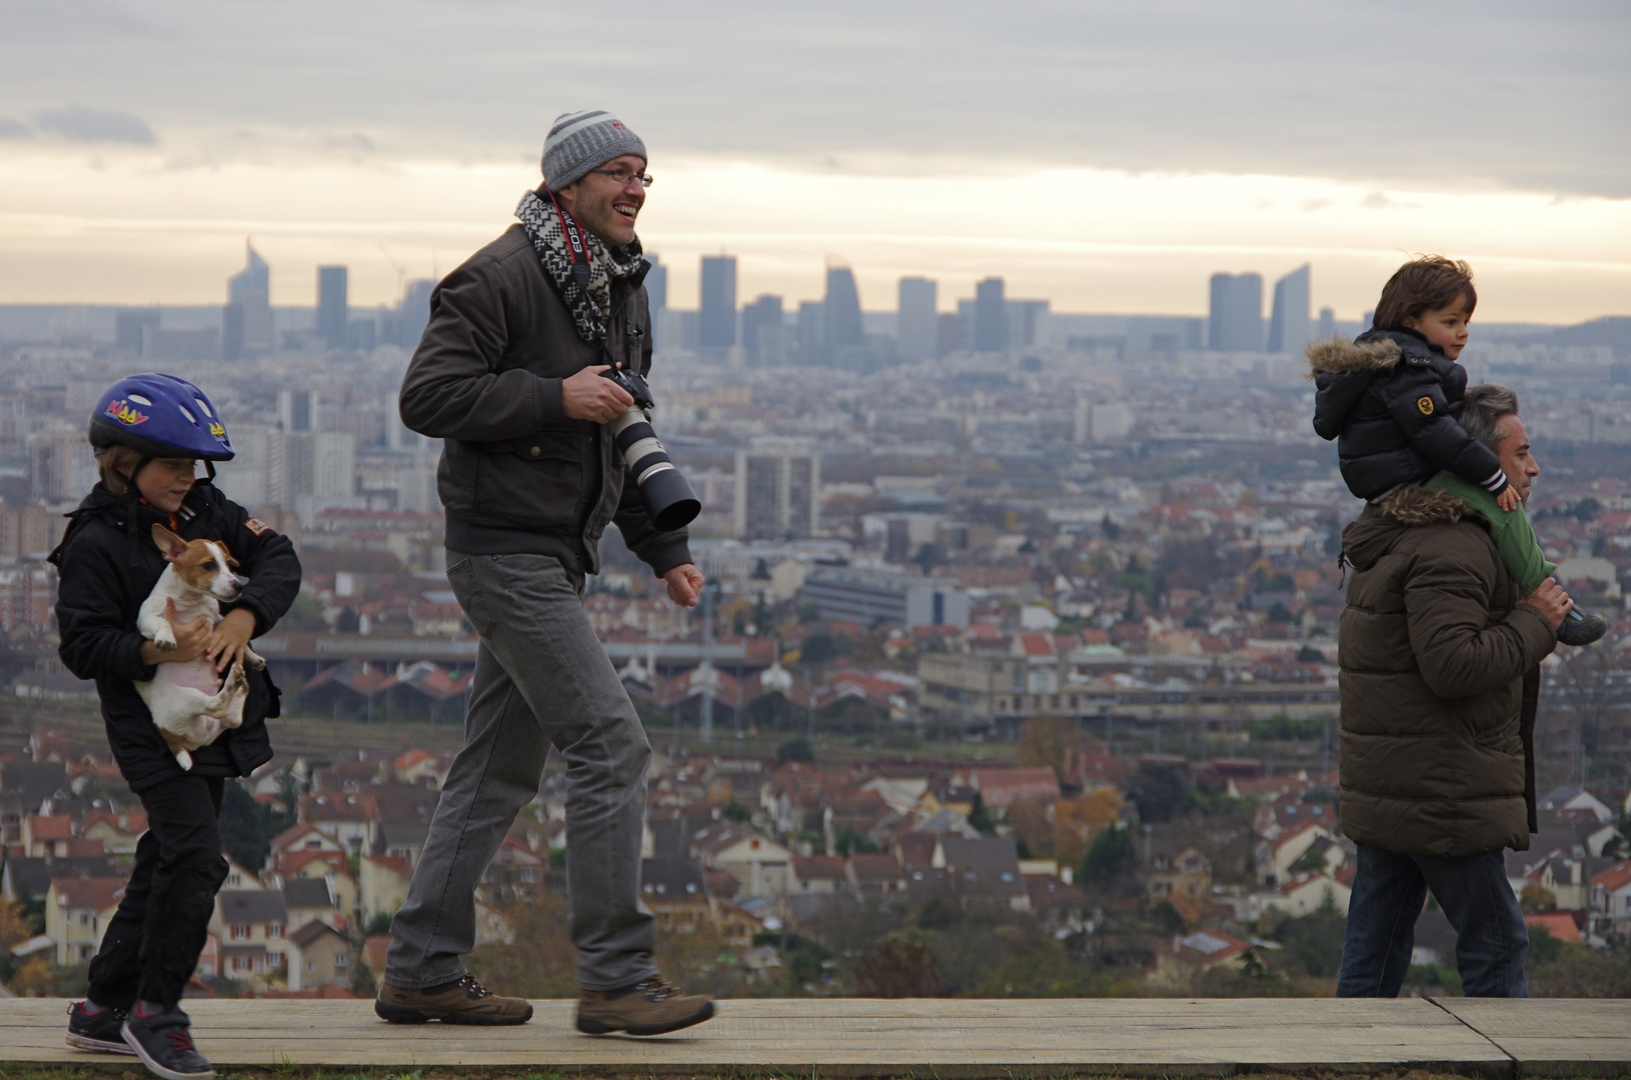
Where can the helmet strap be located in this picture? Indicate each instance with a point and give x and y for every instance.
(130, 481)
(209, 469)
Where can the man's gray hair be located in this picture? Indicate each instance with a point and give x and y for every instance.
(1482, 409)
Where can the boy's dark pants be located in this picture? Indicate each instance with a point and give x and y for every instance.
(152, 944)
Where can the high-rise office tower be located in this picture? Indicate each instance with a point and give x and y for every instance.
(656, 283)
(917, 328)
(812, 332)
(842, 307)
(716, 327)
(247, 321)
(1290, 328)
(1328, 324)
(778, 491)
(990, 316)
(297, 410)
(762, 330)
(1235, 322)
(332, 305)
(413, 312)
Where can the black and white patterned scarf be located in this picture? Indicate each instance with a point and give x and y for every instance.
(591, 303)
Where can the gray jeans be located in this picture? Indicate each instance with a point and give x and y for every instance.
(542, 678)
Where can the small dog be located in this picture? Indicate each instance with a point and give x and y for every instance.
(190, 703)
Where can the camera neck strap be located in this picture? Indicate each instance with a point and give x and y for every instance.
(577, 245)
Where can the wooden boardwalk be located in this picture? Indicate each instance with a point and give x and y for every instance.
(942, 1038)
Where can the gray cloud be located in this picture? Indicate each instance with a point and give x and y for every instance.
(84, 124)
(1515, 94)
(13, 129)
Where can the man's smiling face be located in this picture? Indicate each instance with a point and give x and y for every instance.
(602, 205)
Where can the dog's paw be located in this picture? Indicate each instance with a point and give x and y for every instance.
(164, 640)
(256, 661)
(184, 759)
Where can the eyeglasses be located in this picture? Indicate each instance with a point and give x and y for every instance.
(623, 176)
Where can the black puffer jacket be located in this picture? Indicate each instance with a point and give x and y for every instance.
(1393, 404)
(108, 565)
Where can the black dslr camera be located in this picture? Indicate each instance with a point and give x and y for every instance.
(668, 498)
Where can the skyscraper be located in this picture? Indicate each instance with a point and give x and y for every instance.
(247, 321)
(1290, 329)
(656, 283)
(843, 310)
(917, 329)
(812, 332)
(1235, 322)
(413, 313)
(332, 305)
(990, 316)
(717, 318)
(762, 330)
(1328, 324)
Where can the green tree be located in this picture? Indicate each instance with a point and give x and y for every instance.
(737, 812)
(852, 842)
(247, 826)
(979, 818)
(1111, 854)
(797, 749)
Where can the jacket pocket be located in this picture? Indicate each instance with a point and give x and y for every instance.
(534, 482)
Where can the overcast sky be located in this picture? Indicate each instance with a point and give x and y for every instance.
(1105, 155)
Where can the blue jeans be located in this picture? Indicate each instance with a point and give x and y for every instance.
(1388, 893)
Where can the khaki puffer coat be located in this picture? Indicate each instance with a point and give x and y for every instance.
(1439, 682)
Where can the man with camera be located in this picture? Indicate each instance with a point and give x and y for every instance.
(512, 375)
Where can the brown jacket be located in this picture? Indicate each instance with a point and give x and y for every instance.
(1439, 683)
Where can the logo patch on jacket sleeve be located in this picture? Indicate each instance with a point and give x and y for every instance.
(1425, 404)
(256, 526)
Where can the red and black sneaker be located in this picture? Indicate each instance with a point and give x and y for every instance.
(97, 1027)
(162, 1039)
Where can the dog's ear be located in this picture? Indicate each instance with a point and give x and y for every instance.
(230, 560)
(170, 545)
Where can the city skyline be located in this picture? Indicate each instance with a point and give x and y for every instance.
(1105, 157)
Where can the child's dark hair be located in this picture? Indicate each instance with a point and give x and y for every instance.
(1425, 283)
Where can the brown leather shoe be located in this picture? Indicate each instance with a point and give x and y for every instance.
(649, 1007)
(463, 1002)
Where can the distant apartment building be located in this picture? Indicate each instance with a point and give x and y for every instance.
(1290, 328)
(716, 319)
(29, 531)
(917, 325)
(868, 596)
(333, 300)
(1235, 317)
(778, 491)
(61, 465)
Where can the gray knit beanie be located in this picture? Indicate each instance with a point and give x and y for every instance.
(580, 141)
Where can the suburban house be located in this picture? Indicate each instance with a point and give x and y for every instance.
(253, 927)
(319, 955)
(382, 883)
(816, 874)
(118, 832)
(758, 863)
(77, 911)
(1611, 901)
(1203, 951)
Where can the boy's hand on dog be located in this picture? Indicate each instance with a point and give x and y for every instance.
(190, 639)
(227, 643)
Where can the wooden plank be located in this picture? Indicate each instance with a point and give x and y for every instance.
(841, 1037)
(1552, 1036)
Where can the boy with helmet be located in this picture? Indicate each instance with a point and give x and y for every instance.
(150, 431)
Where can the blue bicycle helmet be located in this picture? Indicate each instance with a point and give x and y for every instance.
(162, 416)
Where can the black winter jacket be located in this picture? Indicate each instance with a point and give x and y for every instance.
(518, 476)
(108, 565)
(1393, 404)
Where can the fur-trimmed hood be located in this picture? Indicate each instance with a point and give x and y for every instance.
(1339, 357)
(1408, 506)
